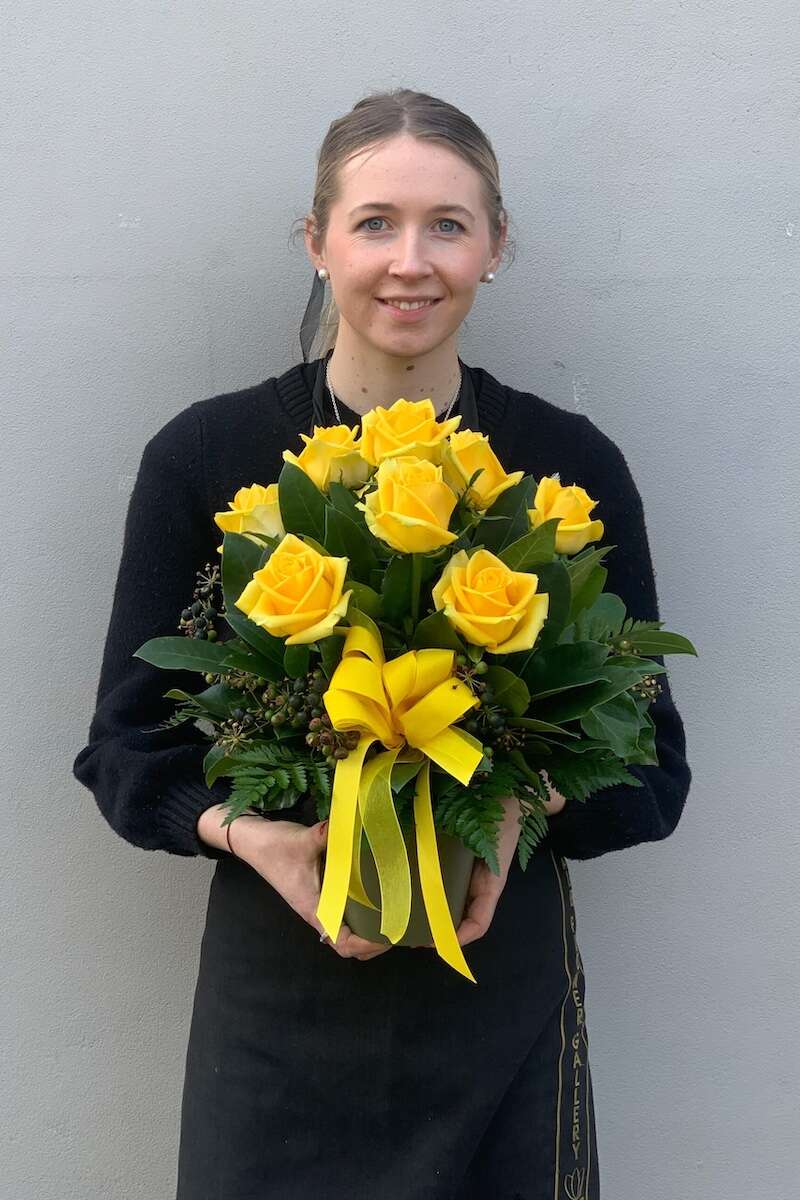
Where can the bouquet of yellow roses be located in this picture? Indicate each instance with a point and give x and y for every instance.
(413, 634)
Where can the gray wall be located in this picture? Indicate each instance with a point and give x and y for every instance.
(155, 157)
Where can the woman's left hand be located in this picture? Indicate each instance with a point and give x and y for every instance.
(486, 888)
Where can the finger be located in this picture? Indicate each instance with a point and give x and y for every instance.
(347, 944)
(476, 919)
(361, 948)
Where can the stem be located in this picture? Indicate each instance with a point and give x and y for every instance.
(416, 584)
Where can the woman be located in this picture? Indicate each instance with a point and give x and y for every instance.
(354, 1069)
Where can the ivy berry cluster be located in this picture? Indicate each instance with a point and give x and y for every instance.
(199, 619)
(297, 703)
(489, 721)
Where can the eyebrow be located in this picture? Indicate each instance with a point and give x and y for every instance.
(459, 208)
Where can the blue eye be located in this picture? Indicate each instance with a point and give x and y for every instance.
(451, 220)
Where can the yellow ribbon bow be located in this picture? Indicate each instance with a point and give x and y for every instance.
(410, 701)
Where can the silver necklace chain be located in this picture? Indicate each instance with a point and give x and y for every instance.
(336, 406)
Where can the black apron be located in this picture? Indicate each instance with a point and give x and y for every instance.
(313, 1077)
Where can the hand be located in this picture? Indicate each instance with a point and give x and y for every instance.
(556, 801)
(486, 888)
(287, 855)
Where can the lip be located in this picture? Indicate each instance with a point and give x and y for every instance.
(409, 316)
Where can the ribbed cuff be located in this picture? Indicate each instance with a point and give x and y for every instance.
(181, 808)
(564, 827)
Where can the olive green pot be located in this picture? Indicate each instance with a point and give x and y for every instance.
(456, 863)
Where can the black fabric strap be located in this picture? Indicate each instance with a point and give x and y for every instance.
(310, 322)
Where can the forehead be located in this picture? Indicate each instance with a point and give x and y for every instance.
(409, 172)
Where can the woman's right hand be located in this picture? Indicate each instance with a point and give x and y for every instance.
(288, 856)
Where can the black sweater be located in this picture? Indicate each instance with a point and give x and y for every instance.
(149, 785)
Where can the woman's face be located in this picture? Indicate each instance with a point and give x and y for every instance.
(425, 235)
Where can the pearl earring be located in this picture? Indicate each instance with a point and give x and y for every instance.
(323, 273)
(489, 276)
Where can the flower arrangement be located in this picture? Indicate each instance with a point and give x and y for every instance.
(412, 634)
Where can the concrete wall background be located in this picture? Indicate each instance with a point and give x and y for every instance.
(155, 157)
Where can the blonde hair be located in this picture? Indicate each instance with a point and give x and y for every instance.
(375, 119)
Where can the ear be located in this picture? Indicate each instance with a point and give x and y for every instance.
(501, 241)
(313, 246)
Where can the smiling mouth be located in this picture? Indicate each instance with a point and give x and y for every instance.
(408, 305)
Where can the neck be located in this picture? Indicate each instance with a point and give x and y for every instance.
(364, 377)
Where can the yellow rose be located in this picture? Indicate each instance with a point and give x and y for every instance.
(462, 455)
(253, 510)
(411, 506)
(297, 594)
(573, 505)
(409, 428)
(333, 454)
(489, 604)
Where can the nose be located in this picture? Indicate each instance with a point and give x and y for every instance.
(411, 260)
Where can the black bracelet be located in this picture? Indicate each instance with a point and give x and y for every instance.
(228, 834)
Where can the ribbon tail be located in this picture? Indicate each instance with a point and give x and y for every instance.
(341, 834)
(430, 874)
(356, 890)
(387, 844)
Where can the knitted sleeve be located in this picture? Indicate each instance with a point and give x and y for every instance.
(149, 783)
(623, 815)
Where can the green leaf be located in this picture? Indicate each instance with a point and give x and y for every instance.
(346, 537)
(566, 666)
(320, 547)
(645, 753)
(365, 598)
(615, 723)
(475, 653)
(660, 641)
(403, 773)
(572, 705)
(216, 764)
(356, 617)
(296, 659)
(553, 578)
(436, 632)
(534, 547)
(346, 502)
(219, 699)
(581, 565)
(586, 595)
(602, 619)
(645, 666)
(330, 649)
(510, 692)
(396, 589)
(183, 654)
(507, 519)
(537, 726)
(301, 502)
